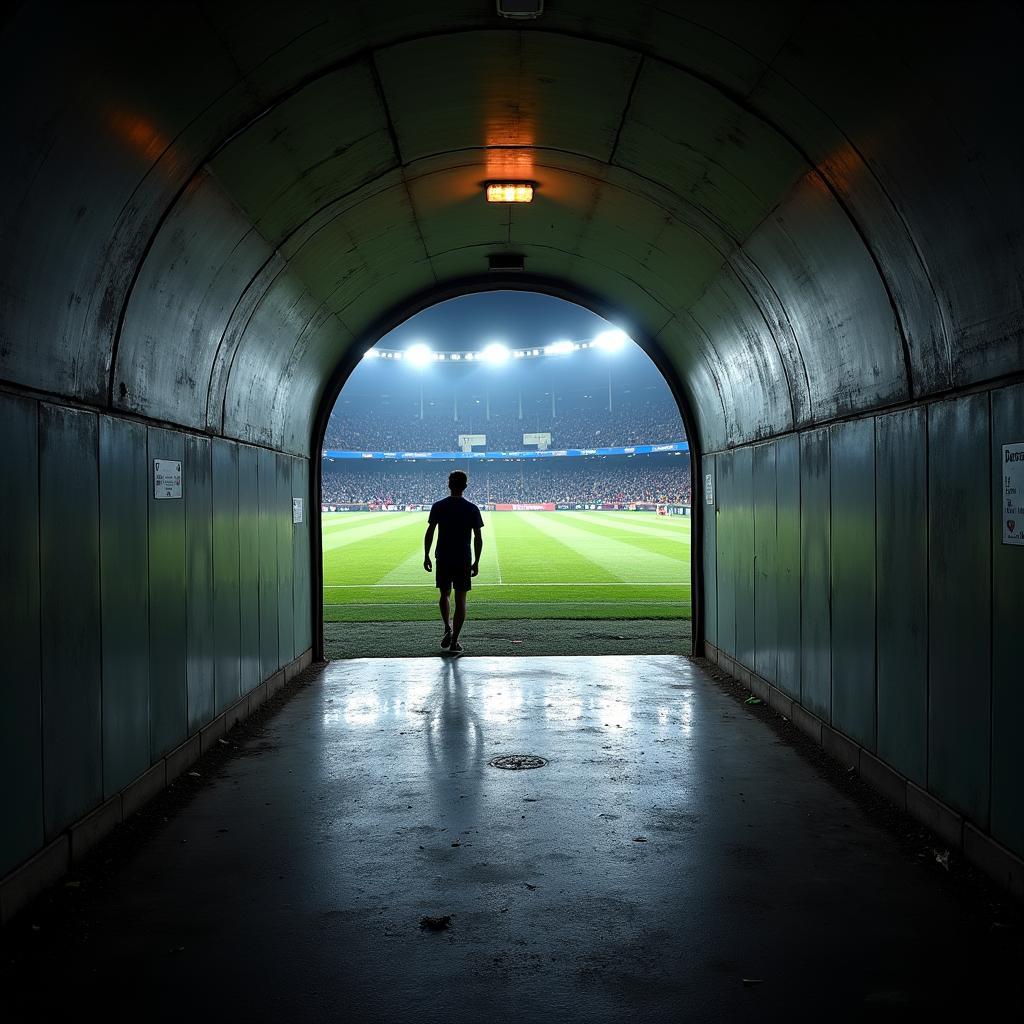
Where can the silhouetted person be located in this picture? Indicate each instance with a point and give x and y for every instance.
(455, 519)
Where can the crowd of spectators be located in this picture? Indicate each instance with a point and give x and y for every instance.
(365, 427)
(641, 478)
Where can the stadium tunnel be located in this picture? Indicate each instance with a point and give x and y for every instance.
(809, 215)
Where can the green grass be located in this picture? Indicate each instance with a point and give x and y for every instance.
(536, 565)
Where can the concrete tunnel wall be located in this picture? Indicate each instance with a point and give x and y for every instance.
(812, 214)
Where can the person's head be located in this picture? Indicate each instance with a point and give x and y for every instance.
(457, 481)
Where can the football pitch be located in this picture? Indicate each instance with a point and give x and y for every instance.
(535, 565)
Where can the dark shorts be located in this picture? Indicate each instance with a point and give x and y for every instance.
(453, 577)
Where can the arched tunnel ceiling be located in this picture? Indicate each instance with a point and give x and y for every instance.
(809, 209)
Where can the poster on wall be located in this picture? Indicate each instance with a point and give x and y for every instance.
(296, 510)
(709, 489)
(1013, 493)
(166, 479)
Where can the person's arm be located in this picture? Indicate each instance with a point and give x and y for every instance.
(428, 539)
(478, 546)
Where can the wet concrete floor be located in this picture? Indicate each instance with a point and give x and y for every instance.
(675, 860)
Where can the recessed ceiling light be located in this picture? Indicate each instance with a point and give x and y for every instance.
(510, 192)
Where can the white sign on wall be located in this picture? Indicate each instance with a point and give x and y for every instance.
(296, 510)
(709, 489)
(1013, 493)
(166, 479)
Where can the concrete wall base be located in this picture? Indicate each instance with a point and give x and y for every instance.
(979, 848)
(53, 861)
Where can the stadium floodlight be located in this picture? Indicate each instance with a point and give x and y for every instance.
(611, 341)
(371, 353)
(495, 353)
(419, 354)
(558, 348)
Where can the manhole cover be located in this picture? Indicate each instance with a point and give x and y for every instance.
(517, 762)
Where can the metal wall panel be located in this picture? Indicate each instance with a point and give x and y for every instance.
(227, 635)
(828, 284)
(69, 578)
(726, 553)
(743, 501)
(249, 566)
(901, 498)
(852, 469)
(302, 598)
(1008, 603)
(787, 561)
(124, 588)
(21, 751)
(710, 596)
(815, 565)
(198, 485)
(168, 700)
(959, 598)
(267, 483)
(766, 605)
(285, 589)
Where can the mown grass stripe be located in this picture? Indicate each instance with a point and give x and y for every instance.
(372, 557)
(659, 544)
(623, 559)
(358, 533)
(678, 531)
(541, 557)
(491, 537)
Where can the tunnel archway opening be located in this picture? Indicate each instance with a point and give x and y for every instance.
(557, 402)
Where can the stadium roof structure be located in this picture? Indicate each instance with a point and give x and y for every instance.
(609, 341)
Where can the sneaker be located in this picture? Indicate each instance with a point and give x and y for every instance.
(456, 647)
(446, 640)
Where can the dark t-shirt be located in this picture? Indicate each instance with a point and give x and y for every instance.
(456, 519)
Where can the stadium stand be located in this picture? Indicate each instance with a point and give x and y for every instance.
(642, 478)
(367, 427)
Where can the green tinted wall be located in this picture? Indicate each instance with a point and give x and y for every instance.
(906, 633)
(148, 608)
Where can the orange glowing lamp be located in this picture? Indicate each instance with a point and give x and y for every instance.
(509, 192)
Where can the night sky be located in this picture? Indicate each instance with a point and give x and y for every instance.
(518, 319)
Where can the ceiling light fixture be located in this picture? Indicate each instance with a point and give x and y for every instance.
(510, 191)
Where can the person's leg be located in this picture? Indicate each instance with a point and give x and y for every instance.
(460, 615)
(445, 606)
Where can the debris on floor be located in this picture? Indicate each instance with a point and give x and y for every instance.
(436, 924)
(753, 700)
(941, 857)
(753, 981)
(639, 839)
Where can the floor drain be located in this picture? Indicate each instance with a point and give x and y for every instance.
(517, 762)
